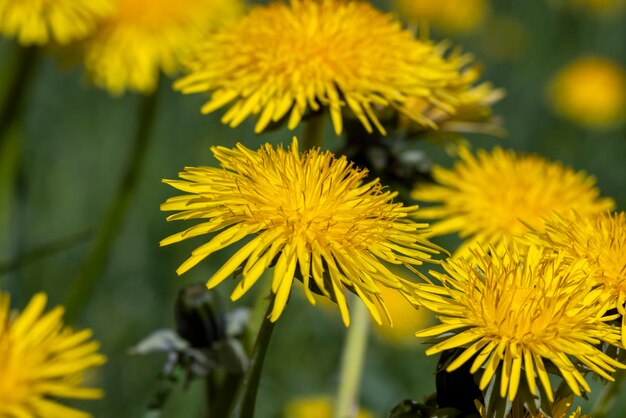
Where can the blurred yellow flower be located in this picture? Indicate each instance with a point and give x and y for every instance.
(40, 22)
(316, 407)
(447, 15)
(42, 361)
(599, 241)
(309, 211)
(146, 37)
(590, 91)
(491, 197)
(405, 318)
(290, 59)
(510, 311)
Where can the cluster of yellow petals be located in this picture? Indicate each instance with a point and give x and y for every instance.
(40, 22)
(491, 197)
(311, 212)
(600, 242)
(42, 361)
(144, 38)
(513, 310)
(284, 60)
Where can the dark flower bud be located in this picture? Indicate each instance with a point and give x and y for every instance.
(199, 316)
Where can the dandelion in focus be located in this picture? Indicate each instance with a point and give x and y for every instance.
(513, 311)
(42, 362)
(491, 197)
(316, 407)
(144, 38)
(41, 22)
(448, 15)
(599, 241)
(293, 59)
(590, 91)
(312, 214)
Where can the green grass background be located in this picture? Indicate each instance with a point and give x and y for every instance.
(76, 140)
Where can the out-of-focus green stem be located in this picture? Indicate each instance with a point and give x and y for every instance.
(352, 362)
(609, 395)
(46, 250)
(313, 133)
(85, 280)
(13, 101)
(246, 401)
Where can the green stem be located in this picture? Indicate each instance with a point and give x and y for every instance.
(609, 395)
(247, 396)
(14, 101)
(222, 404)
(44, 251)
(85, 280)
(313, 133)
(352, 362)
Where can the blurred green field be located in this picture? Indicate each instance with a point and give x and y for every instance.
(76, 140)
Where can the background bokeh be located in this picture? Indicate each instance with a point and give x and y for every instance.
(77, 140)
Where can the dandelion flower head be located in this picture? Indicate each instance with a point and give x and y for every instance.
(512, 311)
(40, 22)
(599, 241)
(491, 197)
(312, 212)
(42, 361)
(144, 38)
(287, 59)
(590, 91)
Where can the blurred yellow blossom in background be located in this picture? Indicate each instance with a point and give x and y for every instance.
(493, 196)
(40, 22)
(590, 91)
(146, 37)
(447, 15)
(316, 407)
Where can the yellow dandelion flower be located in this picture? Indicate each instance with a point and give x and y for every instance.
(590, 91)
(144, 38)
(491, 197)
(599, 241)
(512, 311)
(448, 15)
(308, 211)
(40, 22)
(316, 407)
(42, 361)
(292, 58)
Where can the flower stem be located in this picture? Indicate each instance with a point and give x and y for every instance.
(85, 280)
(313, 133)
(352, 363)
(609, 395)
(244, 407)
(15, 97)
